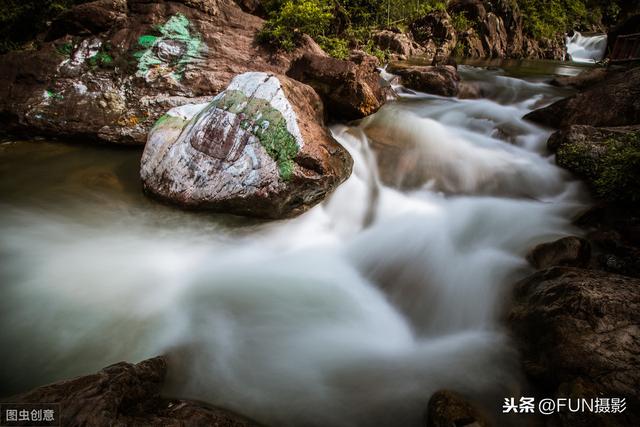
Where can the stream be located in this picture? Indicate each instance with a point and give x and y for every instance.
(352, 314)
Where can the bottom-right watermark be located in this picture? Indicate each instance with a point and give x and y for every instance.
(548, 406)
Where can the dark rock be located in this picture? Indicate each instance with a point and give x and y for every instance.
(110, 69)
(350, 90)
(630, 25)
(259, 148)
(607, 158)
(577, 331)
(583, 80)
(613, 102)
(127, 395)
(254, 7)
(569, 251)
(472, 9)
(434, 32)
(438, 80)
(471, 43)
(447, 408)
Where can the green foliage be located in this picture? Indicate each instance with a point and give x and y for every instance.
(294, 18)
(460, 22)
(334, 46)
(612, 169)
(619, 178)
(338, 25)
(22, 20)
(548, 18)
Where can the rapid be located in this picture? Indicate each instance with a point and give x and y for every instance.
(352, 314)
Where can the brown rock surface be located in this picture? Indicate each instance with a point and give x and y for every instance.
(612, 102)
(439, 79)
(125, 394)
(350, 89)
(110, 68)
(579, 329)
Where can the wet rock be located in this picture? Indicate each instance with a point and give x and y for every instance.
(447, 409)
(259, 148)
(577, 331)
(439, 80)
(148, 56)
(608, 159)
(569, 251)
(125, 394)
(434, 32)
(397, 42)
(583, 80)
(350, 89)
(613, 102)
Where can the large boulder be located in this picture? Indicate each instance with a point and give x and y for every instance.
(126, 395)
(258, 149)
(110, 68)
(441, 80)
(608, 159)
(578, 334)
(612, 102)
(350, 89)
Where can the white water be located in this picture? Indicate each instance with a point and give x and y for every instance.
(316, 321)
(586, 49)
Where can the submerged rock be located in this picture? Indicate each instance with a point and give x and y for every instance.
(578, 334)
(349, 89)
(109, 69)
(613, 102)
(126, 394)
(258, 149)
(441, 80)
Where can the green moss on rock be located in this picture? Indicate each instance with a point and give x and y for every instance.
(611, 167)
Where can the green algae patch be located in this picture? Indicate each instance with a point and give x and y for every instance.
(611, 167)
(182, 45)
(267, 124)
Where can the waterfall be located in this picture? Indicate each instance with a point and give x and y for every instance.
(588, 49)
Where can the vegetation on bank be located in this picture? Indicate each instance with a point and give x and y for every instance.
(340, 25)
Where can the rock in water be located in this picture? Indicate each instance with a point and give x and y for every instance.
(258, 149)
(579, 337)
(349, 89)
(126, 395)
(447, 408)
(441, 80)
(612, 102)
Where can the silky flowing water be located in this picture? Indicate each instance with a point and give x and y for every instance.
(352, 314)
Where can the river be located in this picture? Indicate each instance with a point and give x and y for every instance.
(352, 314)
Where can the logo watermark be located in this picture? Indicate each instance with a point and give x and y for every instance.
(30, 414)
(548, 406)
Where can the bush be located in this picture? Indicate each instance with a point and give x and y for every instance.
(294, 18)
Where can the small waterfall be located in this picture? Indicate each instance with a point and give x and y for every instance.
(586, 49)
